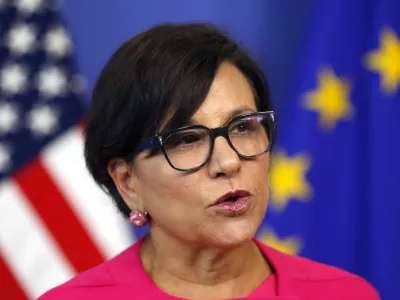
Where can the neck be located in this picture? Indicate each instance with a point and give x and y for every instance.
(169, 260)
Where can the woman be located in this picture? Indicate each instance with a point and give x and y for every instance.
(179, 134)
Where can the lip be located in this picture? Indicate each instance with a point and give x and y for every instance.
(237, 193)
(237, 208)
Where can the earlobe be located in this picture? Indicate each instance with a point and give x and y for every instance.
(121, 173)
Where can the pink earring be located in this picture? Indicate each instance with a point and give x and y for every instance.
(138, 218)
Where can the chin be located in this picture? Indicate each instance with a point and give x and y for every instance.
(232, 235)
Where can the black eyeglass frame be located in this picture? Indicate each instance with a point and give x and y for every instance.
(157, 141)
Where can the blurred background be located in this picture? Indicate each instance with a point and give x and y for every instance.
(334, 73)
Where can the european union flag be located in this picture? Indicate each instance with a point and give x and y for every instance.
(335, 180)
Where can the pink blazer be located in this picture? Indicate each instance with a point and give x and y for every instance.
(296, 278)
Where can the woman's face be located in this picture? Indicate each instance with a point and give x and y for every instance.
(180, 203)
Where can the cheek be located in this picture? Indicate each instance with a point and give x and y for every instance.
(260, 169)
(172, 199)
(260, 179)
(162, 187)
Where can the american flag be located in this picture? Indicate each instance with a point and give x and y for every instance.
(54, 221)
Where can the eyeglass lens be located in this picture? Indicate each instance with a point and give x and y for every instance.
(190, 148)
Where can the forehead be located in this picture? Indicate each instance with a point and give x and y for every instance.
(229, 91)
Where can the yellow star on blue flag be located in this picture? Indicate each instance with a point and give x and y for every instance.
(386, 60)
(288, 179)
(330, 99)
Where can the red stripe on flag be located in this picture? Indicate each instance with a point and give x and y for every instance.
(9, 287)
(61, 221)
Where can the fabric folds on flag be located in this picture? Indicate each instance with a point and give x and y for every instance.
(335, 168)
(54, 221)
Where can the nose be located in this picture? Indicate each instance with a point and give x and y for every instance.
(224, 162)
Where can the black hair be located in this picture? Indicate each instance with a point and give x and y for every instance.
(156, 81)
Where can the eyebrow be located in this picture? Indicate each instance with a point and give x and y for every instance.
(234, 113)
(239, 111)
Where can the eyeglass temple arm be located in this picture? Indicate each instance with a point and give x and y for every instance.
(149, 143)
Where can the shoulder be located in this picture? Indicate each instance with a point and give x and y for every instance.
(316, 279)
(322, 279)
(102, 281)
(77, 287)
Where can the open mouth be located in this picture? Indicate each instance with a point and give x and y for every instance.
(232, 197)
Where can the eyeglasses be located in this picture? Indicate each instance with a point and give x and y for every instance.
(189, 148)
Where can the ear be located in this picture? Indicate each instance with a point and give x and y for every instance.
(124, 179)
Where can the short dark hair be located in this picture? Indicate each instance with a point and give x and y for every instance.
(156, 81)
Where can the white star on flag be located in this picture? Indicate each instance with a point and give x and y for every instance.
(5, 158)
(57, 42)
(21, 39)
(29, 6)
(8, 117)
(13, 79)
(51, 81)
(43, 120)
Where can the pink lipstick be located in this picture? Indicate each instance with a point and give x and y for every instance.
(233, 203)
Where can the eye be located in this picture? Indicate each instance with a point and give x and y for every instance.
(185, 139)
(243, 126)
